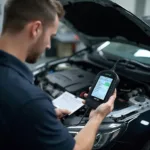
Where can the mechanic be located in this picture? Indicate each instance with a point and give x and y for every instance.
(28, 120)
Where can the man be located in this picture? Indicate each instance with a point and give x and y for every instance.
(28, 120)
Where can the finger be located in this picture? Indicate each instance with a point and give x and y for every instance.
(65, 111)
(115, 92)
(83, 101)
(112, 98)
(85, 95)
(89, 88)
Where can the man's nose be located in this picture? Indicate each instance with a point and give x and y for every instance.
(48, 46)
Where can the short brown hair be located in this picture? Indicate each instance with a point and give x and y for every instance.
(17, 13)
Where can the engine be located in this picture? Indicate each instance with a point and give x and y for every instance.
(73, 81)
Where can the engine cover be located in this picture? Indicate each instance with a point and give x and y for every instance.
(73, 80)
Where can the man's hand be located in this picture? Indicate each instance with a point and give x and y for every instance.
(105, 108)
(61, 112)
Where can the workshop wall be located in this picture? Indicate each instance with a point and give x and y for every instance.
(1, 13)
(127, 4)
(147, 8)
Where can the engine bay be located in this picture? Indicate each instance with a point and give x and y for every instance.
(76, 78)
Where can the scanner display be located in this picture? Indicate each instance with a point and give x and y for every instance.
(102, 87)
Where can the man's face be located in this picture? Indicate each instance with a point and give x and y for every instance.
(41, 41)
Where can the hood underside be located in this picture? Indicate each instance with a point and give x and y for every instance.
(100, 20)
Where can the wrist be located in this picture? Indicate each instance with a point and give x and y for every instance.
(97, 117)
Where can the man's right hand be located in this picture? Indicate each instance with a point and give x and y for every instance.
(105, 108)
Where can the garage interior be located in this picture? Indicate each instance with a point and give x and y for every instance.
(70, 66)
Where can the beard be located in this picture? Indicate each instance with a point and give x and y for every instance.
(35, 51)
(33, 56)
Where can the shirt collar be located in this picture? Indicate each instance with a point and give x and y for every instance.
(14, 63)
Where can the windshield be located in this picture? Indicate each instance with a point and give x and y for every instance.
(125, 51)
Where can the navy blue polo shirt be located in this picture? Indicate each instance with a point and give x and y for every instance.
(27, 116)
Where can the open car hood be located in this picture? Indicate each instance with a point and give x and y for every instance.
(102, 20)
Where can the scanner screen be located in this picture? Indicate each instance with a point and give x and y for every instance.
(101, 88)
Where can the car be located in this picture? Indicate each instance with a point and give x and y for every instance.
(110, 34)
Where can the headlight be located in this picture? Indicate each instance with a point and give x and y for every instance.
(106, 133)
(102, 139)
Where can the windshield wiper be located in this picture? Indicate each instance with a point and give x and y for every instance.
(131, 64)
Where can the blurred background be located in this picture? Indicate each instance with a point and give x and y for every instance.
(66, 42)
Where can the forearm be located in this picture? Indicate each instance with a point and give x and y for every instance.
(86, 137)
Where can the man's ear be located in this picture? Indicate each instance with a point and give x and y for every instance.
(36, 29)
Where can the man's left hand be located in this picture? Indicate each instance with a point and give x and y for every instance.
(60, 113)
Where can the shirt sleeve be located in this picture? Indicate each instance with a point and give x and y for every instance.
(39, 129)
